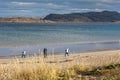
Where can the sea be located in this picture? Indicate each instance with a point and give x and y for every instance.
(56, 37)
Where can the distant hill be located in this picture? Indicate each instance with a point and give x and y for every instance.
(105, 16)
(23, 20)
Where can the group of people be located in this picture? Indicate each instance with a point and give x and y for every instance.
(67, 51)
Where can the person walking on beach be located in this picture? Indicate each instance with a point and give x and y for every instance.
(67, 52)
(23, 54)
(45, 52)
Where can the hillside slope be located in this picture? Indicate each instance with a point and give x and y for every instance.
(105, 16)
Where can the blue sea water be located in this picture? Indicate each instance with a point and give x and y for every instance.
(79, 37)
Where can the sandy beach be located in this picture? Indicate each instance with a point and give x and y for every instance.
(96, 58)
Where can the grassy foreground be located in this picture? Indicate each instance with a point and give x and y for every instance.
(89, 66)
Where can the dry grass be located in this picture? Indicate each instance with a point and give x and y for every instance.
(58, 67)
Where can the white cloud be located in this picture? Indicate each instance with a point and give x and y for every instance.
(25, 10)
(84, 9)
(23, 3)
(102, 5)
(110, 0)
(77, 9)
(105, 1)
(55, 5)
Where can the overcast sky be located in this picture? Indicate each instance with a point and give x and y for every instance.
(45, 7)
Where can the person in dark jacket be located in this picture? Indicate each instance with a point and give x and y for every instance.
(45, 52)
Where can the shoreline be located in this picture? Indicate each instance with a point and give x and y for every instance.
(59, 48)
(62, 43)
(74, 56)
(10, 56)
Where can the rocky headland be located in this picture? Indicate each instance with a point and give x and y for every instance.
(104, 16)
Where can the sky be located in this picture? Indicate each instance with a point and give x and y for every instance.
(45, 7)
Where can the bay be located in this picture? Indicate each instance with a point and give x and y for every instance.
(79, 37)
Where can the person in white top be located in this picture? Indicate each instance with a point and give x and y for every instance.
(67, 52)
(23, 54)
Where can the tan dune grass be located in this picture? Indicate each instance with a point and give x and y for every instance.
(55, 67)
